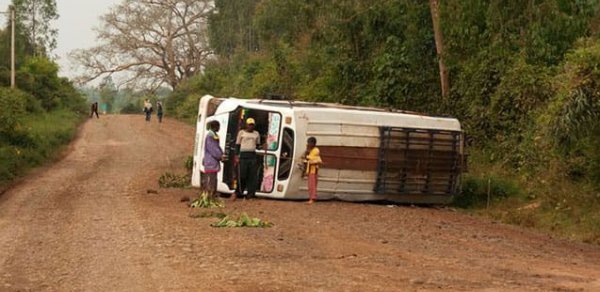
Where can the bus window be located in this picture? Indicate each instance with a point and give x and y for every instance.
(267, 173)
(267, 124)
(287, 154)
(273, 131)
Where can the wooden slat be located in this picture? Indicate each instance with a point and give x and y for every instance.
(352, 158)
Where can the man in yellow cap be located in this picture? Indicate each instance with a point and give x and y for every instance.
(246, 144)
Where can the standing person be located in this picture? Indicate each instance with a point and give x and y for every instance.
(94, 110)
(148, 109)
(246, 144)
(159, 111)
(313, 162)
(213, 155)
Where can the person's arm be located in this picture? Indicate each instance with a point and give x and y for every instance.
(218, 150)
(238, 142)
(258, 145)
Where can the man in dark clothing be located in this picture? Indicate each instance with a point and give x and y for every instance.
(94, 110)
(148, 109)
(246, 143)
(159, 111)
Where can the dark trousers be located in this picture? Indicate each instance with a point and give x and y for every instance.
(248, 175)
(159, 115)
(92, 114)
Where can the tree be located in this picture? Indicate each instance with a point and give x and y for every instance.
(156, 42)
(230, 27)
(439, 45)
(35, 17)
(39, 76)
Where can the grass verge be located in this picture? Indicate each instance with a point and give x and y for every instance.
(547, 200)
(39, 139)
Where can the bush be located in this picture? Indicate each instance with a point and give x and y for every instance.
(39, 77)
(189, 163)
(9, 162)
(572, 118)
(188, 110)
(475, 191)
(12, 110)
(37, 139)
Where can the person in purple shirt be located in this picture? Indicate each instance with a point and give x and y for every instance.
(213, 155)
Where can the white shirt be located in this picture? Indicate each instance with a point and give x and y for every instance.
(247, 140)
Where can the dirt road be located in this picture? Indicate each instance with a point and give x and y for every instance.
(87, 223)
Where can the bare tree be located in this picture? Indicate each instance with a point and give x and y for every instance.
(434, 6)
(155, 41)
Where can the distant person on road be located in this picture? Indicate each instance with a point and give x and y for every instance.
(213, 155)
(312, 158)
(94, 110)
(159, 111)
(248, 140)
(148, 109)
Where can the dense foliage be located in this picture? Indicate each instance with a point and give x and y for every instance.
(505, 59)
(44, 110)
(523, 76)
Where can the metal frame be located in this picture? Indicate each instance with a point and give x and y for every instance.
(419, 161)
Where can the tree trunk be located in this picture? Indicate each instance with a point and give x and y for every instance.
(434, 6)
(595, 23)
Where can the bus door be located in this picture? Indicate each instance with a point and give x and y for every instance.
(268, 125)
(286, 160)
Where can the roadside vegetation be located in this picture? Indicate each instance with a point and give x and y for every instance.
(44, 110)
(30, 138)
(523, 81)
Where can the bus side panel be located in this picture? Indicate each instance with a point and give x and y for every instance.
(351, 152)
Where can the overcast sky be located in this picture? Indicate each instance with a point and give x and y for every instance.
(76, 20)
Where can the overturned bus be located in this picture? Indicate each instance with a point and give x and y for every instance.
(368, 154)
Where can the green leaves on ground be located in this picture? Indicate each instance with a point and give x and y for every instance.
(206, 201)
(189, 163)
(171, 180)
(242, 221)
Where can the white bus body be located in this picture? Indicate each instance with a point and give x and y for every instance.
(368, 154)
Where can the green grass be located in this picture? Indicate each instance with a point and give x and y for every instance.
(39, 139)
(546, 200)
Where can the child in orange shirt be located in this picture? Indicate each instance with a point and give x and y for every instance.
(313, 161)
